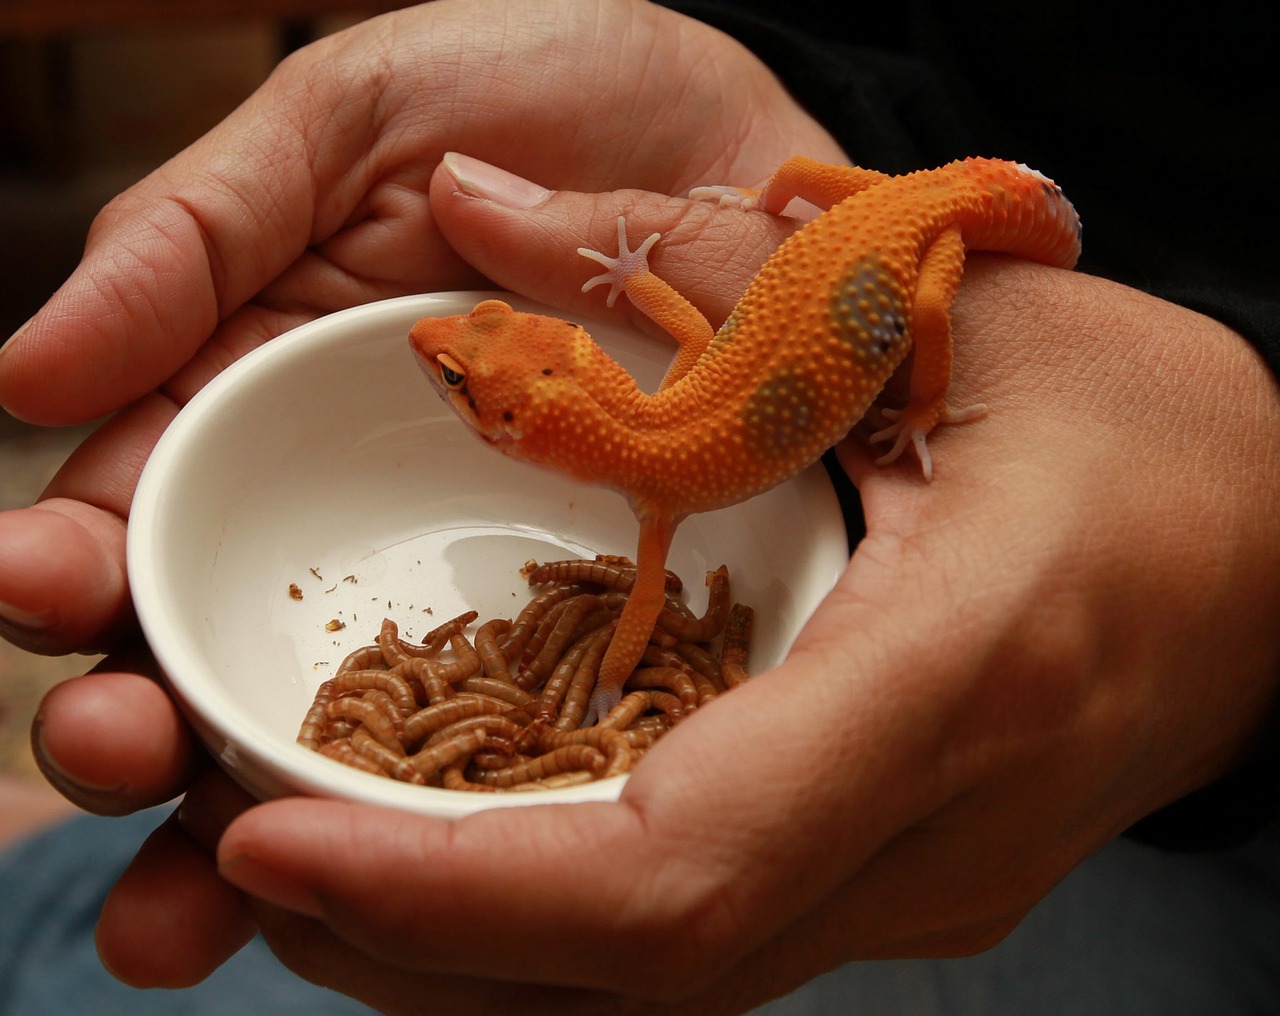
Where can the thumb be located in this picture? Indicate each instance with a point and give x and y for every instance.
(525, 237)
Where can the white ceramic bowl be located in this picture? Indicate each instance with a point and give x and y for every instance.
(324, 459)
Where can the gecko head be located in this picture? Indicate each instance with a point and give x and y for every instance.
(511, 377)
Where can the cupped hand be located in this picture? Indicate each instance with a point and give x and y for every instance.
(310, 198)
(313, 197)
(1070, 627)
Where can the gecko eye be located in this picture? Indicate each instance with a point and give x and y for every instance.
(451, 372)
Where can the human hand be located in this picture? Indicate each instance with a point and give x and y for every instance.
(1069, 628)
(310, 198)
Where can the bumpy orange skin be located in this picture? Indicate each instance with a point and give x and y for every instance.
(800, 360)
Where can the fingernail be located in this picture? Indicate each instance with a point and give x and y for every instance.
(480, 180)
(268, 884)
(99, 800)
(31, 620)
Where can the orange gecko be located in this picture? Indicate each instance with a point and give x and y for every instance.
(799, 361)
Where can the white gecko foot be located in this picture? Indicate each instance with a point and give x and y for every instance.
(902, 431)
(727, 196)
(627, 264)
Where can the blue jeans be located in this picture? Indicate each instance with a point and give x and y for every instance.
(1132, 932)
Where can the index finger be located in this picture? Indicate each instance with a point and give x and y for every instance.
(163, 264)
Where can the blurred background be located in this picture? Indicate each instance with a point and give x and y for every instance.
(93, 95)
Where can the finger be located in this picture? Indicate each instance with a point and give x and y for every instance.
(62, 577)
(312, 951)
(170, 921)
(113, 742)
(63, 586)
(525, 237)
(164, 263)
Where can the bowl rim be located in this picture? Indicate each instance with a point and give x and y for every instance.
(262, 762)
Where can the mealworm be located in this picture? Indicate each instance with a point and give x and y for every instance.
(393, 650)
(432, 686)
(435, 757)
(466, 663)
(339, 730)
(612, 743)
(558, 760)
(492, 659)
(666, 703)
(377, 680)
(521, 689)
(452, 778)
(371, 748)
(702, 661)
(640, 739)
(497, 688)
(669, 678)
(562, 633)
(434, 640)
(369, 716)
(517, 638)
(435, 717)
(491, 724)
(313, 724)
(604, 572)
(496, 759)
(652, 727)
(364, 658)
(555, 687)
(626, 712)
(555, 781)
(577, 696)
(341, 751)
(386, 705)
(711, 623)
(733, 648)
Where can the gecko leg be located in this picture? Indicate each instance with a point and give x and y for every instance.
(799, 177)
(940, 270)
(635, 625)
(629, 273)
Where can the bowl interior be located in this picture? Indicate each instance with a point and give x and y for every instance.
(325, 461)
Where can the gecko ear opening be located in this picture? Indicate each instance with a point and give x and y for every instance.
(451, 372)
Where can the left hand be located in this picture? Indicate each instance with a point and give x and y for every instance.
(1072, 626)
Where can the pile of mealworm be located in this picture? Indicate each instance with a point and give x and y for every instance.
(504, 711)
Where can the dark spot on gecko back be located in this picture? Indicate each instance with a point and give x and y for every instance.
(869, 315)
(780, 414)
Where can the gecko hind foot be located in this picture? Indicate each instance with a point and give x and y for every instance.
(627, 264)
(912, 426)
(602, 703)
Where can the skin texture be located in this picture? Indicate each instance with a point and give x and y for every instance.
(1075, 629)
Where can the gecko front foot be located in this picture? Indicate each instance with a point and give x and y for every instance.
(914, 424)
(627, 265)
